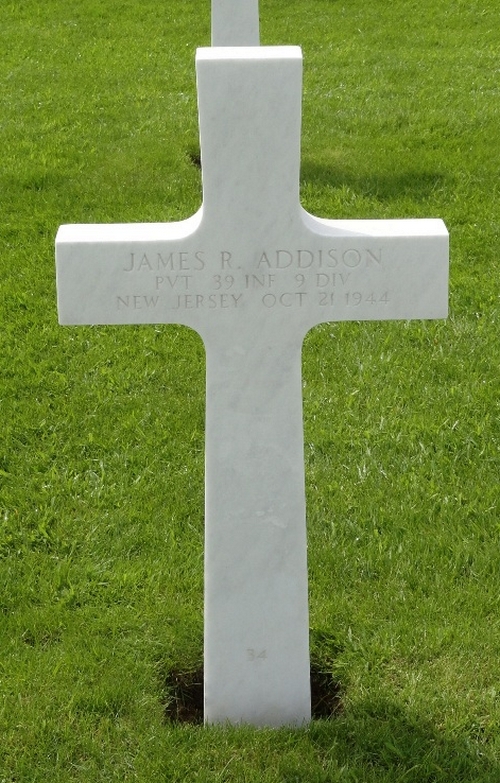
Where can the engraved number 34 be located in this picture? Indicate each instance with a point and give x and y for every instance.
(255, 655)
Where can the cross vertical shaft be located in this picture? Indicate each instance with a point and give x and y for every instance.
(256, 637)
(235, 23)
(256, 607)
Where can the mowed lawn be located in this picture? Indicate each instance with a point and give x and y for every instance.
(102, 428)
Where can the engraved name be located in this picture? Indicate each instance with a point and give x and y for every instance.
(178, 261)
(265, 260)
(350, 258)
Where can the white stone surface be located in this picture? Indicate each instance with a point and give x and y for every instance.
(235, 22)
(252, 272)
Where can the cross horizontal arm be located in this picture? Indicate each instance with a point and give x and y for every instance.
(321, 271)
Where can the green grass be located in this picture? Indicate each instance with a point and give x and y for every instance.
(101, 443)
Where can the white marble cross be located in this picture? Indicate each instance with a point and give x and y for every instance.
(252, 272)
(235, 22)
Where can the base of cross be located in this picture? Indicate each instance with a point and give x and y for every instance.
(184, 694)
(252, 272)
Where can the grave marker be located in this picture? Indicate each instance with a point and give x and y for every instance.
(252, 272)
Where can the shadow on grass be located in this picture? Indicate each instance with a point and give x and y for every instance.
(378, 741)
(386, 186)
(374, 741)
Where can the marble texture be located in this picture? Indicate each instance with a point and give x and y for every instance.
(235, 22)
(252, 271)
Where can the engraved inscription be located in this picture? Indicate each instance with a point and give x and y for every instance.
(324, 279)
(326, 298)
(355, 298)
(351, 258)
(136, 302)
(174, 282)
(226, 282)
(286, 299)
(259, 281)
(179, 261)
(211, 302)
(188, 279)
(225, 260)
